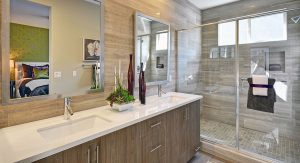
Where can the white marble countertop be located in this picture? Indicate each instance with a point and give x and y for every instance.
(23, 143)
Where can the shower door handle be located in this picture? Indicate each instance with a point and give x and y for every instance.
(244, 79)
(242, 82)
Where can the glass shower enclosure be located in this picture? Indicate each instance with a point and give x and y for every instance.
(219, 68)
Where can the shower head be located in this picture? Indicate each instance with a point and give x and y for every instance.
(296, 19)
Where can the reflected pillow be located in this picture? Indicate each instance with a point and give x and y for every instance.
(39, 73)
(41, 67)
(27, 71)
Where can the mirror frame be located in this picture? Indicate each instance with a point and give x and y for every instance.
(137, 14)
(5, 50)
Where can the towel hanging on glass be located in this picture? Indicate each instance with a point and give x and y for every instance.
(262, 103)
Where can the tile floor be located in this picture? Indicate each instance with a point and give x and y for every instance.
(202, 157)
(265, 144)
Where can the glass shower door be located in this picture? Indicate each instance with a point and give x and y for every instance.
(216, 66)
(208, 69)
(270, 45)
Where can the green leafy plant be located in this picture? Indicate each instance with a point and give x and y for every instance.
(120, 95)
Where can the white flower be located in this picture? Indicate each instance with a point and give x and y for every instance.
(94, 48)
(97, 48)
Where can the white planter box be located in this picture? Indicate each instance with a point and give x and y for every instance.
(122, 107)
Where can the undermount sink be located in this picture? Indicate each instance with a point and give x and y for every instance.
(171, 99)
(72, 127)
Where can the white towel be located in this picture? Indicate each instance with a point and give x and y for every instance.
(262, 80)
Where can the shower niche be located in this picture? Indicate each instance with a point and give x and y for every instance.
(223, 52)
(266, 60)
(277, 61)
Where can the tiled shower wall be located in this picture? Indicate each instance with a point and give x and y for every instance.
(215, 78)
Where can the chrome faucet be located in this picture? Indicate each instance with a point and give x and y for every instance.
(68, 110)
(159, 90)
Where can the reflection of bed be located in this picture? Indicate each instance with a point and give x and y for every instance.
(30, 85)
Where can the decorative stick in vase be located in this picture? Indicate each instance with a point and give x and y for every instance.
(119, 68)
(115, 77)
(122, 79)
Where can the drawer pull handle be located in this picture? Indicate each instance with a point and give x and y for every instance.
(156, 148)
(156, 124)
(97, 153)
(88, 155)
(197, 149)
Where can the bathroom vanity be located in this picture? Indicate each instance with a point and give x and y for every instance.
(167, 129)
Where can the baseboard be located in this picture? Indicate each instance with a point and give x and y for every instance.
(229, 155)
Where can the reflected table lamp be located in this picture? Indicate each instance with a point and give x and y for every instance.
(12, 78)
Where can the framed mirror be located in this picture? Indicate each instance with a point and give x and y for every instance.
(152, 48)
(51, 49)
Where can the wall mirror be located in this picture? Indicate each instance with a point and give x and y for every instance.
(152, 48)
(51, 48)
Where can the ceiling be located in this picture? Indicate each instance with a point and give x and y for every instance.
(29, 8)
(205, 4)
(28, 13)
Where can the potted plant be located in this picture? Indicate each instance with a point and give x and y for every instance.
(120, 99)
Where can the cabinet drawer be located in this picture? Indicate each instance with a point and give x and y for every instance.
(154, 148)
(154, 125)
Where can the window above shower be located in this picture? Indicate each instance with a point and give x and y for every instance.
(254, 30)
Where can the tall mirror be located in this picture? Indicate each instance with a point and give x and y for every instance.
(55, 48)
(152, 48)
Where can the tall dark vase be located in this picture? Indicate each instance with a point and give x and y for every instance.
(143, 89)
(130, 77)
(140, 81)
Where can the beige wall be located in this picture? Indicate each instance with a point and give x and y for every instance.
(119, 43)
(70, 22)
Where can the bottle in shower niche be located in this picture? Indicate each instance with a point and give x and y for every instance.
(143, 89)
(130, 77)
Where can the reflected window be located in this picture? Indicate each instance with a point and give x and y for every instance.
(162, 41)
(254, 30)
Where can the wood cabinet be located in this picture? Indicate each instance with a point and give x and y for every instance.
(154, 140)
(56, 158)
(123, 146)
(176, 135)
(170, 137)
(84, 153)
(77, 154)
(183, 133)
(193, 129)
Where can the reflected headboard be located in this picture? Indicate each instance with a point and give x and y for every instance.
(18, 68)
(19, 72)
